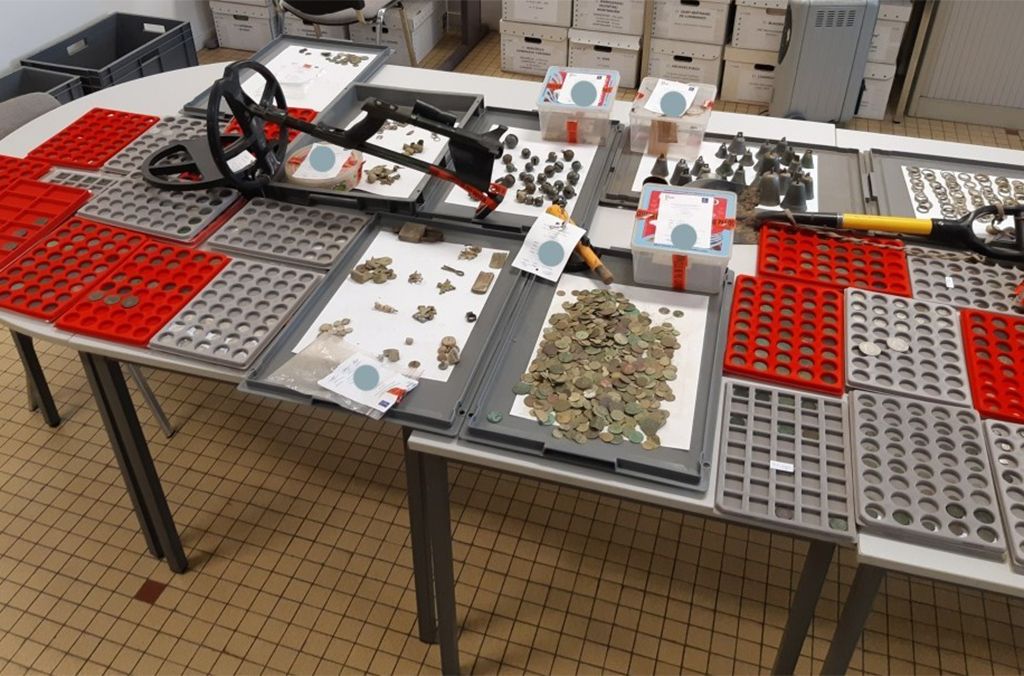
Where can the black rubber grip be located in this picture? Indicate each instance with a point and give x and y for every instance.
(430, 112)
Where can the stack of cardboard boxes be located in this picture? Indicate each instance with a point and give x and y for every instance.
(534, 35)
(243, 24)
(753, 53)
(893, 16)
(687, 38)
(425, 19)
(606, 34)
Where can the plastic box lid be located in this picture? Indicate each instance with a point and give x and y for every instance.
(584, 94)
(695, 117)
(722, 225)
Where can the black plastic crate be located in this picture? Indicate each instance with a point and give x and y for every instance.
(61, 86)
(120, 48)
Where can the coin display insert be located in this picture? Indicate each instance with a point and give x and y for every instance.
(92, 181)
(963, 281)
(1006, 446)
(994, 347)
(171, 128)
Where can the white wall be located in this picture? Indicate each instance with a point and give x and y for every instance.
(26, 26)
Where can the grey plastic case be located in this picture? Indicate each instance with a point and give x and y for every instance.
(687, 468)
(92, 181)
(1006, 444)
(923, 474)
(238, 313)
(168, 129)
(179, 215)
(433, 406)
(962, 280)
(783, 461)
(920, 352)
(313, 236)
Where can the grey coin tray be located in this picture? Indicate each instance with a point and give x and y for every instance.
(379, 56)
(1006, 444)
(92, 181)
(586, 201)
(688, 467)
(341, 112)
(840, 186)
(172, 128)
(313, 236)
(922, 473)
(179, 215)
(932, 367)
(433, 406)
(965, 281)
(783, 460)
(238, 313)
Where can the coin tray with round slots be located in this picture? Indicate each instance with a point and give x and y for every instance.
(238, 313)
(964, 281)
(92, 181)
(918, 344)
(175, 214)
(62, 265)
(788, 332)
(94, 138)
(28, 208)
(314, 236)
(271, 130)
(1006, 445)
(994, 346)
(142, 293)
(811, 255)
(783, 461)
(170, 128)
(923, 473)
(13, 168)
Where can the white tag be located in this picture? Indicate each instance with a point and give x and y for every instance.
(778, 466)
(547, 247)
(366, 381)
(584, 96)
(682, 96)
(677, 209)
(949, 282)
(242, 161)
(322, 161)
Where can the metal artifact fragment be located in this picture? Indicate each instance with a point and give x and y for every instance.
(424, 313)
(448, 353)
(471, 317)
(339, 328)
(445, 286)
(408, 341)
(418, 232)
(483, 282)
(469, 253)
(377, 270)
(415, 277)
(498, 259)
(383, 174)
(448, 268)
(414, 148)
(391, 354)
(387, 309)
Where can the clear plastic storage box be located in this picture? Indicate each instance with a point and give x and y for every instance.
(682, 238)
(575, 104)
(661, 122)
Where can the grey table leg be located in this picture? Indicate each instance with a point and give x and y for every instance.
(439, 532)
(859, 600)
(150, 397)
(118, 412)
(423, 569)
(39, 394)
(801, 610)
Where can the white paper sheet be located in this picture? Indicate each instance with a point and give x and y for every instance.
(936, 210)
(375, 331)
(529, 138)
(308, 80)
(678, 429)
(394, 139)
(708, 150)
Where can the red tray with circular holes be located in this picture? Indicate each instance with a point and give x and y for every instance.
(29, 208)
(834, 259)
(142, 293)
(787, 332)
(994, 348)
(271, 130)
(51, 274)
(94, 138)
(13, 168)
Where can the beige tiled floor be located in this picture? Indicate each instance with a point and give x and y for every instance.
(296, 529)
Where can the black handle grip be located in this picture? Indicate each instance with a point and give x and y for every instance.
(423, 109)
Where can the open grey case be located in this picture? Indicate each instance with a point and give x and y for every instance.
(379, 55)
(840, 186)
(433, 406)
(688, 468)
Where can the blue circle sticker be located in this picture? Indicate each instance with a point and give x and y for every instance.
(321, 158)
(366, 377)
(684, 236)
(673, 104)
(551, 253)
(583, 93)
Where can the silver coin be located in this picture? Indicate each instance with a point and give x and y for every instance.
(897, 344)
(869, 348)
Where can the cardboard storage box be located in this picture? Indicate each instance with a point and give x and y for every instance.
(758, 24)
(426, 24)
(878, 79)
(624, 17)
(895, 10)
(532, 49)
(685, 61)
(242, 26)
(293, 25)
(606, 51)
(543, 12)
(748, 75)
(885, 41)
(692, 20)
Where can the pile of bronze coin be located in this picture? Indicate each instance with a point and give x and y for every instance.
(601, 372)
